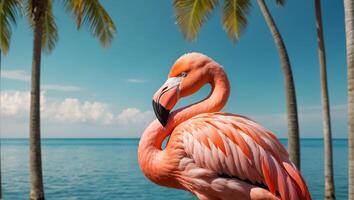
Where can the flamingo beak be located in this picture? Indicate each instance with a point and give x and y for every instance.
(166, 98)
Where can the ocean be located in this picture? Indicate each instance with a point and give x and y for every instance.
(108, 169)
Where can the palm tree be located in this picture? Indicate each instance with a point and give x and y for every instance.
(45, 36)
(349, 29)
(9, 10)
(191, 15)
(327, 132)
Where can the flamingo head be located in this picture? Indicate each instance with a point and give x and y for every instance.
(189, 73)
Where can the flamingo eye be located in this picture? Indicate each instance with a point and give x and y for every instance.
(183, 74)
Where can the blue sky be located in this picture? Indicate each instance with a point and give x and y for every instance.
(89, 91)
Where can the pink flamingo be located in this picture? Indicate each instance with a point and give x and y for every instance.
(212, 154)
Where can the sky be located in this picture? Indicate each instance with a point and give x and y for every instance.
(89, 91)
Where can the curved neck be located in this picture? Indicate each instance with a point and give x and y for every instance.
(216, 100)
(155, 133)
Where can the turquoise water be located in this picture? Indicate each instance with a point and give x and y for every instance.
(108, 169)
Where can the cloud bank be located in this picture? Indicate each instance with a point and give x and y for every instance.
(71, 117)
(310, 119)
(14, 107)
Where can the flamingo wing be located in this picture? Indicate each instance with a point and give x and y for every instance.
(234, 146)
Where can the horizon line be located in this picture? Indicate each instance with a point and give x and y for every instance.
(139, 138)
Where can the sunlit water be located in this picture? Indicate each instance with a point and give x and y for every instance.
(108, 169)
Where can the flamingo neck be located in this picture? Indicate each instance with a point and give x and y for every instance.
(150, 150)
(216, 100)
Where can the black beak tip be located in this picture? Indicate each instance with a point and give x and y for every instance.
(161, 113)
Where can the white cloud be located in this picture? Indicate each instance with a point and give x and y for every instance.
(19, 75)
(57, 87)
(134, 115)
(308, 114)
(15, 104)
(310, 121)
(72, 110)
(133, 80)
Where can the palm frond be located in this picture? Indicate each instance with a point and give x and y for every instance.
(75, 7)
(235, 17)
(280, 2)
(92, 14)
(9, 11)
(191, 15)
(50, 32)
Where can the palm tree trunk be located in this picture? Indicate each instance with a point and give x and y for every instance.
(349, 29)
(0, 139)
(293, 126)
(37, 192)
(327, 132)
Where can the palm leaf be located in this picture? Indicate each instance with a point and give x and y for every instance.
(235, 17)
(9, 11)
(50, 32)
(191, 15)
(92, 14)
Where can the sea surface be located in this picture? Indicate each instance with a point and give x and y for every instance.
(108, 169)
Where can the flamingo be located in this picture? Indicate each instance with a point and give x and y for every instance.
(214, 155)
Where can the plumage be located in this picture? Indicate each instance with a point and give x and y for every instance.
(215, 155)
(235, 146)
